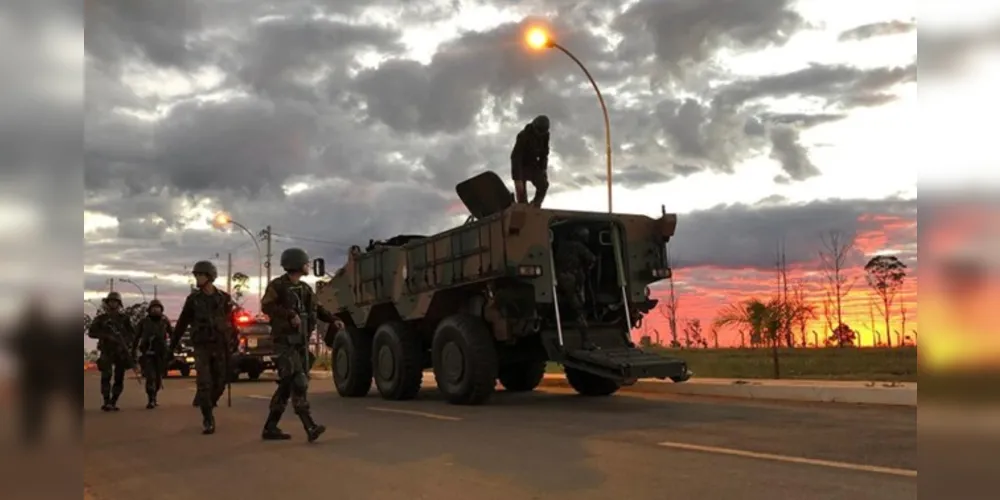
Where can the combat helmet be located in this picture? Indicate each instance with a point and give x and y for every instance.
(294, 259)
(206, 267)
(154, 303)
(113, 295)
(540, 124)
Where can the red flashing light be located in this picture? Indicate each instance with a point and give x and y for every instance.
(243, 319)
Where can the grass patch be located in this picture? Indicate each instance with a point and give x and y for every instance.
(877, 364)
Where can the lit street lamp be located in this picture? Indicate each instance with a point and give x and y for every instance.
(538, 39)
(136, 285)
(221, 220)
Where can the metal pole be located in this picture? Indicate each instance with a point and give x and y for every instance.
(229, 273)
(154, 292)
(260, 259)
(111, 283)
(604, 109)
(267, 263)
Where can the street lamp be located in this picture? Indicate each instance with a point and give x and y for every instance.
(538, 38)
(221, 220)
(136, 285)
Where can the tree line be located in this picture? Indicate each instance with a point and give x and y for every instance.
(783, 319)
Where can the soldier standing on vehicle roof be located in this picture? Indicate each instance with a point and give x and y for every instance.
(115, 337)
(573, 261)
(291, 306)
(529, 161)
(209, 312)
(154, 331)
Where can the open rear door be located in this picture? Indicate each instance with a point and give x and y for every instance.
(484, 195)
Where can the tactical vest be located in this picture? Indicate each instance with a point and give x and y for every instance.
(211, 323)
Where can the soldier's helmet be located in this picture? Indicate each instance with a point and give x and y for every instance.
(294, 259)
(205, 267)
(540, 124)
(582, 233)
(113, 297)
(155, 303)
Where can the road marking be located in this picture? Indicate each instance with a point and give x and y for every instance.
(258, 396)
(795, 460)
(416, 413)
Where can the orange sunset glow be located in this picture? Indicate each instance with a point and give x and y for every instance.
(703, 291)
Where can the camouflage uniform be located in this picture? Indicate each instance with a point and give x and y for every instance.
(529, 161)
(573, 260)
(115, 339)
(283, 300)
(210, 314)
(154, 331)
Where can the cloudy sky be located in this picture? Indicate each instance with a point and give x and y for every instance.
(333, 121)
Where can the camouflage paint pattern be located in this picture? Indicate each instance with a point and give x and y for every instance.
(403, 281)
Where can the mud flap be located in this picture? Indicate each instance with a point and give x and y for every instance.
(625, 364)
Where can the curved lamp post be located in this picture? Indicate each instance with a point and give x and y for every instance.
(136, 285)
(538, 39)
(222, 219)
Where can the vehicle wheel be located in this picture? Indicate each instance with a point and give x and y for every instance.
(681, 378)
(522, 377)
(255, 374)
(397, 358)
(588, 384)
(464, 357)
(352, 363)
(185, 371)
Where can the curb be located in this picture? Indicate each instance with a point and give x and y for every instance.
(775, 390)
(816, 391)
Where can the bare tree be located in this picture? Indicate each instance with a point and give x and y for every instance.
(785, 311)
(902, 315)
(871, 321)
(714, 332)
(885, 274)
(671, 307)
(835, 257)
(802, 311)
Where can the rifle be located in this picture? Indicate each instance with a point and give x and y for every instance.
(303, 331)
(229, 375)
(128, 352)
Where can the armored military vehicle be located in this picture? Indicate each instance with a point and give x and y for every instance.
(478, 303)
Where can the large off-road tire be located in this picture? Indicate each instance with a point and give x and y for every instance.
(255, 374)
(352, 363)
(464, 357)
(185, 371)
(588, 384)
(522, 377)
(397, 358)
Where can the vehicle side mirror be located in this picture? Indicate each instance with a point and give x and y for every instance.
(319, 267)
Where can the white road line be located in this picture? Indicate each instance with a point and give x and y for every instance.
(416, 413)
(258, 396)
(784, 458)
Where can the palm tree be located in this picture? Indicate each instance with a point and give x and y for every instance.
(761, 319)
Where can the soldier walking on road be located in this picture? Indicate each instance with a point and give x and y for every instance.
(529, 161)
(291, 306)
(573, 261)
(154, 332)
(115, 337)
(210, 314)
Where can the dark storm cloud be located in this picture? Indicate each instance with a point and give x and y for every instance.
(873, 30)
(793, 157)
(841, 85)
(684, 33)
(282, 56)
(746, 236)
(156, 32)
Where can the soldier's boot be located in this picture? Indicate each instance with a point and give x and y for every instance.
(271, 431)
(106, 406)
(194, 402)
(113, 403)
(313, 430)
(208, 420)
(150, 400)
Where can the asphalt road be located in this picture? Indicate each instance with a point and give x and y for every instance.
(547, 445)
